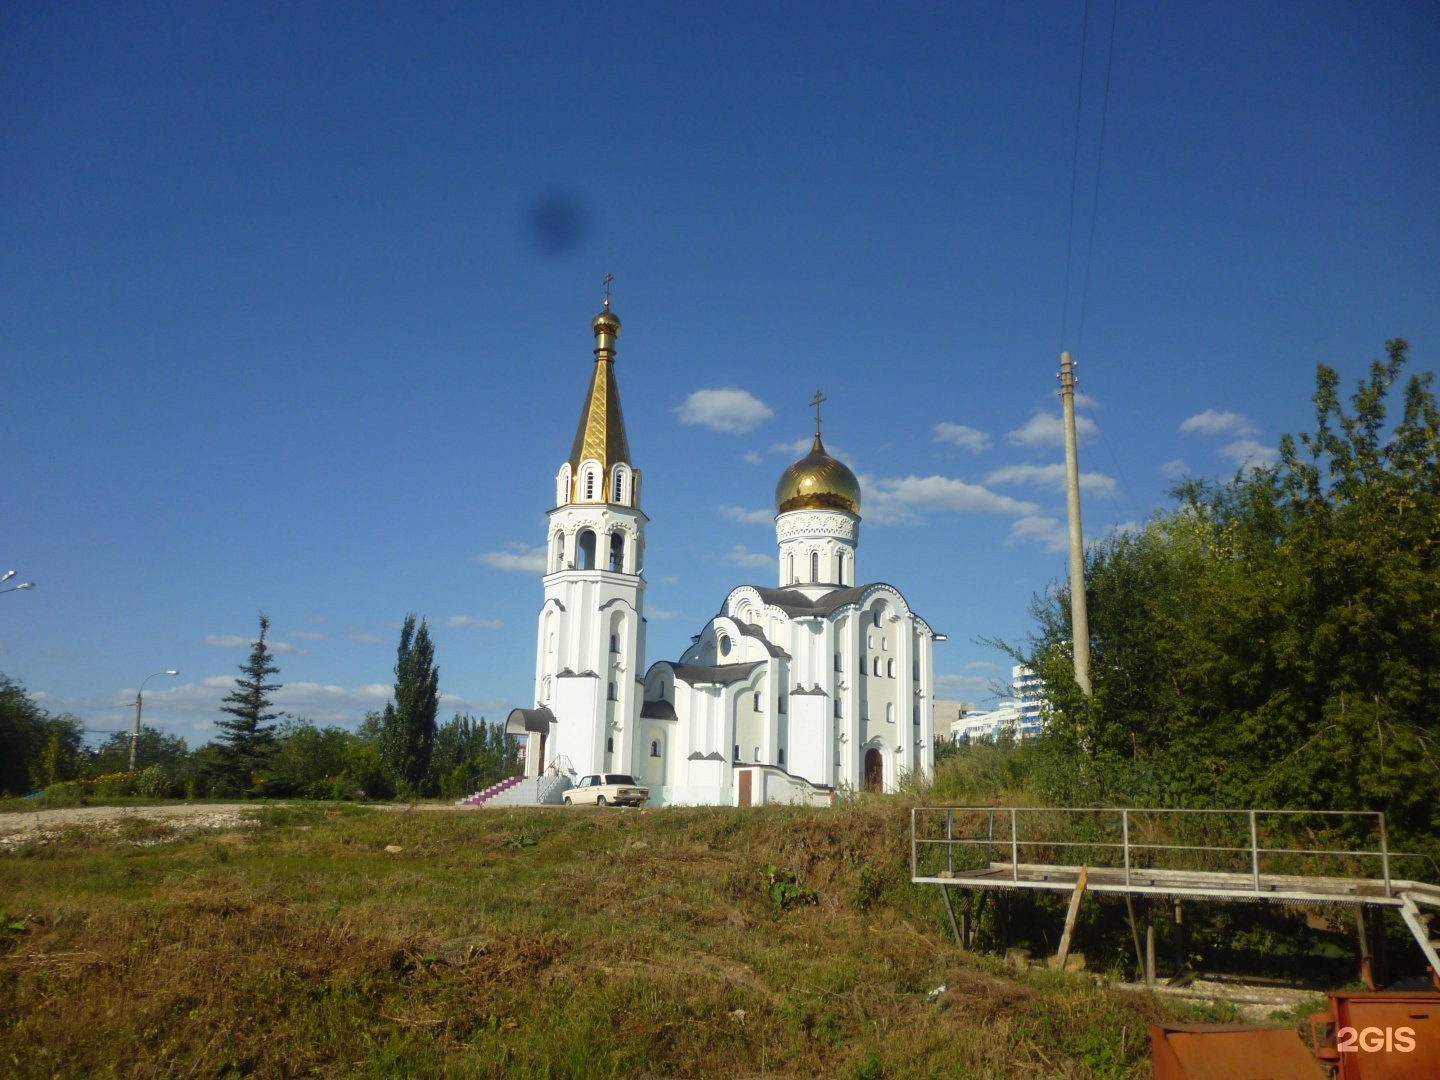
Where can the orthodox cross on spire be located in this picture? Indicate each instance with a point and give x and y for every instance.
(819, 397)
(609, 277)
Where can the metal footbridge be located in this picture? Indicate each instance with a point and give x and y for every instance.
(1295, 856)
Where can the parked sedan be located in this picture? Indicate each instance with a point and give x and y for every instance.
(608, 789)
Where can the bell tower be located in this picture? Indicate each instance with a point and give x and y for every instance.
(590, 655)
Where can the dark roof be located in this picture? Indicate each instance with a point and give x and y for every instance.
(793, 602)
(521, 721)
(658, 710)
(724, 674)
(756, 632)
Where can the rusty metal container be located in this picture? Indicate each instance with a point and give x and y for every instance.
(1379, 1036)
(1230, 1052)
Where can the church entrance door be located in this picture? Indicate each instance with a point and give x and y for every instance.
(874, 771)
(540, 761)
(745, 788)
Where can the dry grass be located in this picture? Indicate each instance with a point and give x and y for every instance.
(618, 944)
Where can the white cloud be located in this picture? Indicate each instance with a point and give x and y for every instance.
(730, 409)
(980, 665)
(517, 558)
(892, 500)
(1049, 532)
(1126, 528)
(195, 706)
(754, 457)
(305, 635)
(1173, 470)
(1250, 452)
(963, 683)
(1085, 401)
(669, 579)
(1048, 429)
(368, 639)
(798, 448)
(1211, 422)
(1050, 478)
(239, 641)
(739, 556)
(747, 517)
(457, 622)
(977, 442)
(662, 616)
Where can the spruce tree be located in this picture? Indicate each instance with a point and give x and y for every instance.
(407, 728)
(248, 739)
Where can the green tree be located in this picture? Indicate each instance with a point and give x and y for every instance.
(37, 748)
(154, 747)
(306, 755)
(470, 752)
(247, 739)
(407, 727)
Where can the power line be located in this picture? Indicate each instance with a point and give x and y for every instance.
(1074, 174)
(1099, 161)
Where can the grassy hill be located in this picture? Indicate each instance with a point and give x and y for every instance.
(524, 943)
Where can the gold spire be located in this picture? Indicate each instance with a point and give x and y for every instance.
(601, 434)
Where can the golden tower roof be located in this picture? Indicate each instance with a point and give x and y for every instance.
(601, 433)
(818, 482)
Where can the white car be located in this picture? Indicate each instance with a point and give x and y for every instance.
(609, 789)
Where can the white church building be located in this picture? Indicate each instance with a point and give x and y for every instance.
(788, 693)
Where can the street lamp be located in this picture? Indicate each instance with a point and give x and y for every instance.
(135, 732)
(14, 588)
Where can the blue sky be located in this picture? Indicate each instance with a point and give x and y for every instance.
(295, 302)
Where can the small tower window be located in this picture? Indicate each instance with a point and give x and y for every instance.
(757, 753)
(781, 759)
(589, 484)
(790, 569)
(877, 666)
(814, 566)
(889, 712)
(614, 643)
(586, 547)
(876, 616)
(780, 704)
(724, 645)
(617, 551)
(610, 745)
(840, 569)
(917, 716)
(839, 665)
(654, 747)
(915, 671)
(619, 486)
(890, 669)
(736, 755)
(756, 706)
(839, 711)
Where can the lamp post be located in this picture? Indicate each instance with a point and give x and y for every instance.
(135, 731)
(14, 588)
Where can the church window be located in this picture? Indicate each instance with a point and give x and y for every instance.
(610, 745)
(619, 486)
(757, 753)
(654, 747)
(589, 484)
(552, 641)
(617, 551)
(889, 712)
(876, 616)
(780, 704)
(870, 641)
(884, 642)
(610, 694)
(814, 566)
(586, 546)
(545, 692)
(724, 645)
(877, 666)
(915, 671)
(614, 643)
(864, 708)
(917, 716)
(890, 669)
(790, 569)
(839, 665)
(756, 706)
(837, 759)
(839, 711)
(782, 759)
(562, 485)
(736, 755)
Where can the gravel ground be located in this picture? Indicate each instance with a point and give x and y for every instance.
(44, 826)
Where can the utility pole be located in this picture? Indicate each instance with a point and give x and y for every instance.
(1079, 616)
(135, 731)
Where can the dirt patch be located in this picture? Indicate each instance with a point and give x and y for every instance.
(139, 826)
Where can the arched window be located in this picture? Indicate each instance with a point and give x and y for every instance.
(814, 566)
(610, 694)
(610, 745)
(889, 712)
(736, 755)
(545, 692)
(757, 702)
(757, 753)
(840, 569)
(585, 548)
(589, 485)
(864, 708)
(890, 669)
(876, 616)
(839, 711)
(838, 665)
(790, 569)
(780, 704)
(619, 487)
(562, 485)
(915, 671)
(617, 551)
(877, 666)
(917, 716)
(559, 560)
(552, 641)
(781, 759)
(614, 643)
(654, 747)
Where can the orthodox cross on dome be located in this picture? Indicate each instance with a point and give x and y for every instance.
(609, 277)
(819, 397)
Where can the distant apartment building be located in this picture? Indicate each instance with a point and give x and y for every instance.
(1021, 718)
(1030, 700)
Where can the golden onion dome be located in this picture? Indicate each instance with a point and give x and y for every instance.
(606, 322)
(817, 482)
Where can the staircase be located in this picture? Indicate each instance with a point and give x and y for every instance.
(1419, 924)
(481, 797)
(522, 791)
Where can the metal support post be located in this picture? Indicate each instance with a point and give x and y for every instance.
(1014, 848)
(1254, 852)
(1125, 836)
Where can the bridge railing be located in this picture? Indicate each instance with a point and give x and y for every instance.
(1133, 840)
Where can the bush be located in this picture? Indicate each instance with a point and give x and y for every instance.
(115, 785)
(66, 793)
